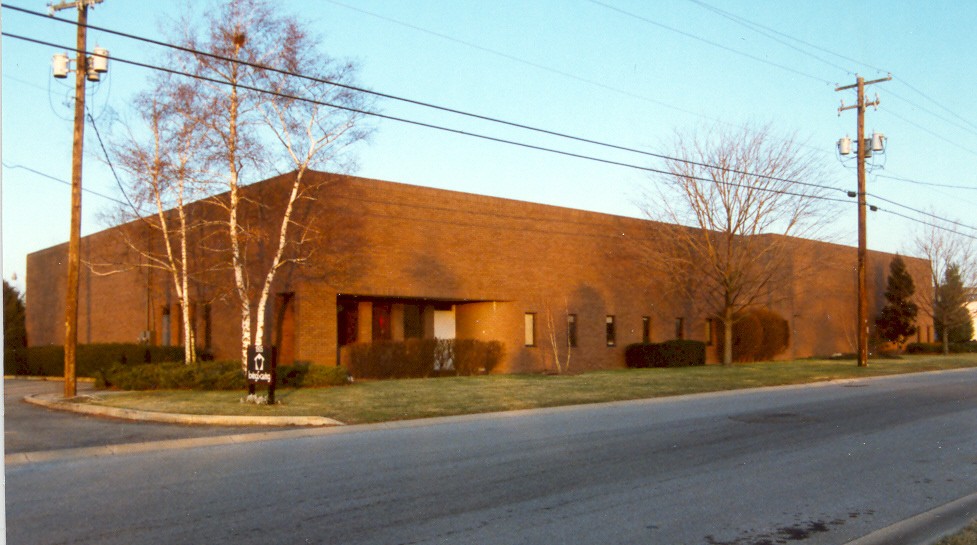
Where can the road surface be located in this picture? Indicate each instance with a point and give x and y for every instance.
(816, 465)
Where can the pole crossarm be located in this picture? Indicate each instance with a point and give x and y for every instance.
(77, 4)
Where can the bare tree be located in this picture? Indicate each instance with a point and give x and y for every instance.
(950, 252)
(560, 363)
(261, 115)
(736, 196)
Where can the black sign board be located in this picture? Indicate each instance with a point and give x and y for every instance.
(261, 369)
(261, 363)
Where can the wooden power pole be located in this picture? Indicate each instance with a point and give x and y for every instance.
(863, 148)
(74, 240)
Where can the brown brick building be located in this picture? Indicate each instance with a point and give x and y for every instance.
(391, 261)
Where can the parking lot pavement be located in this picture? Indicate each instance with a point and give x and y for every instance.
(29, 428)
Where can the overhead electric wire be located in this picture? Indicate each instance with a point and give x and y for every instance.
(961, 124)
(767, 31)
(59, 180)
(754, 26)
(451, 130)
(921, 212)
(403, 99)
(109, 160)
(928, 224)
(932, 184)
(710, 42)
(459, 131)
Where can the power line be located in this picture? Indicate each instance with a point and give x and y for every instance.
(755, 27)
(467, 133)
(456, 131)
(960, 124)
(931, 184)
(404, 99)
(60, 181)
(108, 159)
(928, 224)
(928, 214)
(710, 42)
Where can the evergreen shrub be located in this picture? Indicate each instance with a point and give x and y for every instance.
(421, 358)
(209, 375)
(213, 375)
(937, 348)
(674, 353)
(90, 359)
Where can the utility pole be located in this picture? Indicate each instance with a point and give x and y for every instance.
(863, 147)
(83, 70)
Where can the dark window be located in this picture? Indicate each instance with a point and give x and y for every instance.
(166, 327)
(381, 322)
(646, 329)
(572, 330)
(611, 333)
(710, 332)
(413, 326)
(348, 321)
(679, 328)
(208, 326)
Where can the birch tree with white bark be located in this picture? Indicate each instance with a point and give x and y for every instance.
(159, 160)
(270, 108)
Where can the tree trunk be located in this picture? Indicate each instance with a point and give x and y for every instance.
(728, 336)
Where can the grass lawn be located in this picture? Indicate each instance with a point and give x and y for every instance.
(967, 536)
(380, 401)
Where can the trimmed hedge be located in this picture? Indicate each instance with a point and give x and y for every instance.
(213, 375)
(422, 358)
(91, 358)
(937, 348)
(674, 353)
(306, 375)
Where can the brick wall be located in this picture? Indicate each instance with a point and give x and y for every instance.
(493, 259)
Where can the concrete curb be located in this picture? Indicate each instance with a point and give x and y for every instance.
(925, 528)
(56, 402)
(46, 379)
(24, 458)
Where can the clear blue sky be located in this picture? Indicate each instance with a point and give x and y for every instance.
(627, 72)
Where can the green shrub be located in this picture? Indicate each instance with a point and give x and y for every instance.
(674, 353)
(420, 358)
(90, 359)
(210, 375)
(937, 348)
(305, 375)
(640, 355)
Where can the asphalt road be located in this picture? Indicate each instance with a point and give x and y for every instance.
(29, 428)
(816, 465)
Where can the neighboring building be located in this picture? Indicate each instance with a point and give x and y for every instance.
(393, 261)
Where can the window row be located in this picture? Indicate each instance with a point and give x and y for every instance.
(610, 329)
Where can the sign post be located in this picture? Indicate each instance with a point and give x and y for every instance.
(262, 369)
